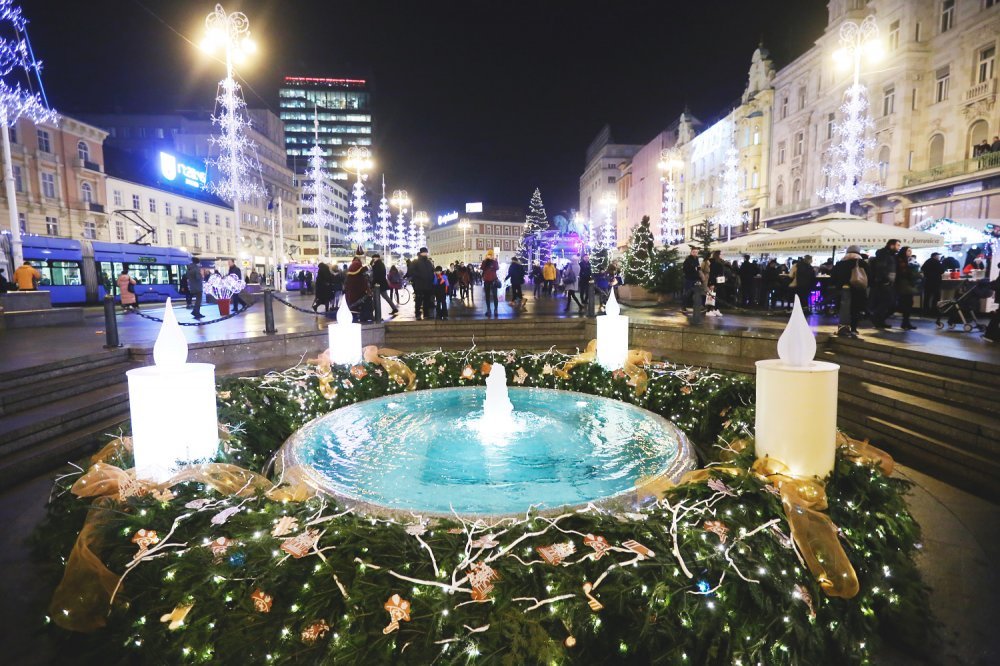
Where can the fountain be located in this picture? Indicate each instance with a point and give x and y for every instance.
(497, 407)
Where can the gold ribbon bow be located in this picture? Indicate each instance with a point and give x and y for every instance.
(633, 367)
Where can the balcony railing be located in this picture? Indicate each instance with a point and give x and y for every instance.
(95, 207)
(93, 166)
(189, 221)
(884, 123)
(980, 90)
(988, 161)
(788, 208)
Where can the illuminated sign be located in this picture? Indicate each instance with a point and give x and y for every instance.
(448, 217)
(181, 172)
(476, 207)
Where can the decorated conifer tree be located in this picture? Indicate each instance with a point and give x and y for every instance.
(637, 262)
(704, 236)
(532, 245)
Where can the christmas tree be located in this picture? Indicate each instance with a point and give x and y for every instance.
(532, 246)
(637, 262)
(704, 236)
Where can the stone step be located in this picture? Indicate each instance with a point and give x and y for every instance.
(55, 452)
(48, 391)
(971, 472)
(966, 429)
(981, 372)
(14, 378)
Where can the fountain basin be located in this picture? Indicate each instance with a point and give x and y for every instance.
(430, 452)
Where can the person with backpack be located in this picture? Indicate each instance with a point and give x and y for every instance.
(515, 274)
(126, 289)
(849, 277)
(441, 285)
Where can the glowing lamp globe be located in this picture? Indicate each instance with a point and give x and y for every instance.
(797, 403)
(612, 336)
(162, 442)
(345, 338)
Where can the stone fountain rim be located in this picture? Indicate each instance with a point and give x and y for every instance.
(287, 457)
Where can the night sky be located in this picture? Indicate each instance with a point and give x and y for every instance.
(476, 100)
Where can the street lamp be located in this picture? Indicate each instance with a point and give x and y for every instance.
(608, 201)
(464, 225)
(359, 160)
(401, 200)
(231, 32)
(670, 163)
(857, 41)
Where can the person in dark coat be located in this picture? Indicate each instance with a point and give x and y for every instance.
(585, 278)
(324, 288)
(421, 274)
(491, 283)
(692, 276)
(195, 283)
(380, 280)
(308, 281)
(356, 285)
(907, 279)
(805, 281)
(992, 333)
(748, 271)
(516, 274)
(237, 301)
(336, 286)
(441, 288)
(882, 286)
(853, 297)
(932, 270)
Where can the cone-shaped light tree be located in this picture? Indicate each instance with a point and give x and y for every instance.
(532, 245)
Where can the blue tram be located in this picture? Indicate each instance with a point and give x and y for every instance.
(79, 272)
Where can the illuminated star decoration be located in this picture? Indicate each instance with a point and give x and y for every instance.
(729, 214)
(850, 171)
(237, 161)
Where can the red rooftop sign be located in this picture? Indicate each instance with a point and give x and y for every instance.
(311, 79)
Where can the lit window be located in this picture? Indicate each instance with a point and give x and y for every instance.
(83, 151)
(22, 223)
(756, 135)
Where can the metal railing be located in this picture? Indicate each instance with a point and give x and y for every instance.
(953, 169)
(984, 89)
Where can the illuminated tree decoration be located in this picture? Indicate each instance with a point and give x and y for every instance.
(532, 246)
(359, 160)
(383, 234)
(850, 172)
(638, 260)
(671, 231)
(404, 242)
(317, 191)
(730, 212)
(608, 238)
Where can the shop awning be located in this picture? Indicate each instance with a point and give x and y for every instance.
(838, 231)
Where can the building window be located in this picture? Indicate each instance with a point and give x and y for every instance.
(170, 237)
(218, 220)
(781, 152)
(986, 58)
(18, 182)
(754, 179)
(978, 132)
(802, 97)
(756, 135)
(205, 218)
(227, 223)
(90, 230)
(152, 205)
(942, 84)
(796, 191)
(196, 240)
(218, 244)
(166, 208)
(87, 192)
(229, 245)
(83, 151)
(44, 143)
(947, 15)
(184, 240)
(22, 223)
(883, 165)
(12, 133)
(800, 140)
(49, 185)
(888, 100)
(916, 33)
(117, 195)
(935, 151)
(194, 215)
(180, 211)
(894, 35)
(830, 120)
(120, 230)
(51, 226)
(135, 202)
(784, 107)
(611, 180)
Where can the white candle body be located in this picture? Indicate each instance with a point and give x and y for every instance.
(797, 415)
(345, 343)
(612, 341)
(174, 417)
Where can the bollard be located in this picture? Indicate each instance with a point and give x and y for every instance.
(591, 310)
(110, 323)
(269, 312)
(698, 296)
(377, 295)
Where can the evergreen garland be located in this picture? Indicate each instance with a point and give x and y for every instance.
(652, 612)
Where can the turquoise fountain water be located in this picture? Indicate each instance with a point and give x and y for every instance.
(486, 451)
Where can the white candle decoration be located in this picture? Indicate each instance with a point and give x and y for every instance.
(612, 336)
(172, 406)
(345, 338)
(797, 403)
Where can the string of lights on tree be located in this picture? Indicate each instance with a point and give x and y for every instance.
(704, 572)
(383, 233)
(607, 240)
(671, 231)
(318, 187)
(532, 245)
(359, 161)
(851, 173)
(730, 212)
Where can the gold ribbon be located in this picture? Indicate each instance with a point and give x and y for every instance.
(397, 370)
(633, 367)
(864, 453)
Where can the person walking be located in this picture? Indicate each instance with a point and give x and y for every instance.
(537, 281)
(441, 285)
(586, 276)
(356, 285)
(237, 301)
(491, 284)
(907, 279)
(380, 281)
(324, 288)
(126, 288)
(26, 277)
(692, 276)
(569, 277)
(933, 272)
(882, 271)
(849, 277)
(515, 274)
(336, 286)
(196, 283)
(395, 280)
(421, 274)
(549, 277)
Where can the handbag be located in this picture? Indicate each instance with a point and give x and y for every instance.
(859, 279)
(710, 298)
(131, 287)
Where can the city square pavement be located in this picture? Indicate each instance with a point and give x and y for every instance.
(959, 550)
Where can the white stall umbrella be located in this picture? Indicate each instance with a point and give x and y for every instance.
(839, 231)
(739, 245)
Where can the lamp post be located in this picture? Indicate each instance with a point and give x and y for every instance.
(608, 201)
(670, 163)
(401, 201)
(232, 33)
(464, 226)
(857, 41)
(359, 160)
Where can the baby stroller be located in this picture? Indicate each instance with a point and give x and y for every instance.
(962, 309)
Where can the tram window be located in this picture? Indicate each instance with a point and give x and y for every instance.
(150, 273)
(66, 273)
(43, 268)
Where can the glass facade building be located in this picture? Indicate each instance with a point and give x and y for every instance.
(344, 110)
